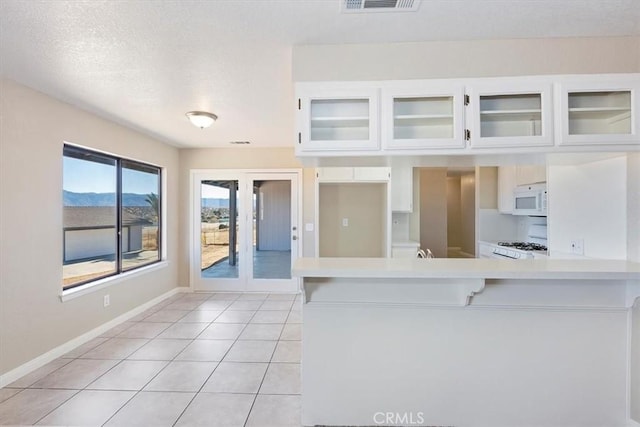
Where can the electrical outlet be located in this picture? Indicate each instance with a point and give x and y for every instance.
(345, 222)
(577, 246)
(106, 301)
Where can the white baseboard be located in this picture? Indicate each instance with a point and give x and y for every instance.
(43, 359)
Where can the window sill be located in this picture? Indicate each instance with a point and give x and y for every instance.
(109, 281)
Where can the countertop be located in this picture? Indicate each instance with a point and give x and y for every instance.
(467, 268)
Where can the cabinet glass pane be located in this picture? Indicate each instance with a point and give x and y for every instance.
(423, 117)
(339, 119)
(511, 115)
(593, 113)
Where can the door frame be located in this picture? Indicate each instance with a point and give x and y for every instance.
(242, 175)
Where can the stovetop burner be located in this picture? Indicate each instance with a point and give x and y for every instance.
(525, 246)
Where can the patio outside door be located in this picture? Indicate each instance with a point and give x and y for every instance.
(246, 230)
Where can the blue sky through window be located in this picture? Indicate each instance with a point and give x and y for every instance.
(81, 176)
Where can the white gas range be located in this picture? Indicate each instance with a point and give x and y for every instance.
(534, 247)
(517, 250)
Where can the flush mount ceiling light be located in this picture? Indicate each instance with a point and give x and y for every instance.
(201, 119)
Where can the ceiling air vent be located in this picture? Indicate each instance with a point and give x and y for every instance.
(351, 6)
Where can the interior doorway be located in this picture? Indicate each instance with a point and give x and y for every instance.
(448, 211)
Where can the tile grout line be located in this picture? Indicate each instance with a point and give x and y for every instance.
(265, 373)
(221, 359)
(158, 373)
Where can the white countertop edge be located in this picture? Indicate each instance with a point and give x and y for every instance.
(467, 268)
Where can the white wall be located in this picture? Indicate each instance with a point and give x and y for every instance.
(33, 320)
(470, 58)
(633, 254)
(589, 201)
(362, 205)
(635, 363)
(633, 206)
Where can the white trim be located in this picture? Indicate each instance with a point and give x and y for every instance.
(96, 285)
(43, 359)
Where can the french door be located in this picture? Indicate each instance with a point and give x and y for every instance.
(245, 232)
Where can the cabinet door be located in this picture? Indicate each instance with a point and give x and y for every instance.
(338, 120)
(510, 115)
(402, 189)
(425, 116)
(599, 111)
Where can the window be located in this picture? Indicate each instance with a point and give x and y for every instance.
(112, 215)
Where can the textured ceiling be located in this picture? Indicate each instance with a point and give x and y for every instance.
(145, 63)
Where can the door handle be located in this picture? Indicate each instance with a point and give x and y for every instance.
(294, 237)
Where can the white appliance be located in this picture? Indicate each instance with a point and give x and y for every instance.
(530, 200)
(534, 247)
(517, 250)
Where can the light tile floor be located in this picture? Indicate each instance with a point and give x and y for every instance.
(223, 359)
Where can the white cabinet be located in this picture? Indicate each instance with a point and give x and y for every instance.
(337, 119)
(597, 111)
(402, 189)
(423, 115)
(349, 174)
(510, 113)
(563, 113)
(506, 184)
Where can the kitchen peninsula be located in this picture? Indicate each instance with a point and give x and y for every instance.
(467, 342)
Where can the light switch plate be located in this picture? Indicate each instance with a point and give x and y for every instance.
(308, 226)
(345, 222)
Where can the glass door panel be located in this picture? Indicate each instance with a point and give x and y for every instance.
(219, 229)
(272, 229)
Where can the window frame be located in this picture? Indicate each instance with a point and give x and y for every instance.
(120, 164)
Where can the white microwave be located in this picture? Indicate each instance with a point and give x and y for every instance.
(530, 200)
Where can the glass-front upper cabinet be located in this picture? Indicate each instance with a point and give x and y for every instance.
(599, 112)
(423, 117)
(505, 114)
(342, 119)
